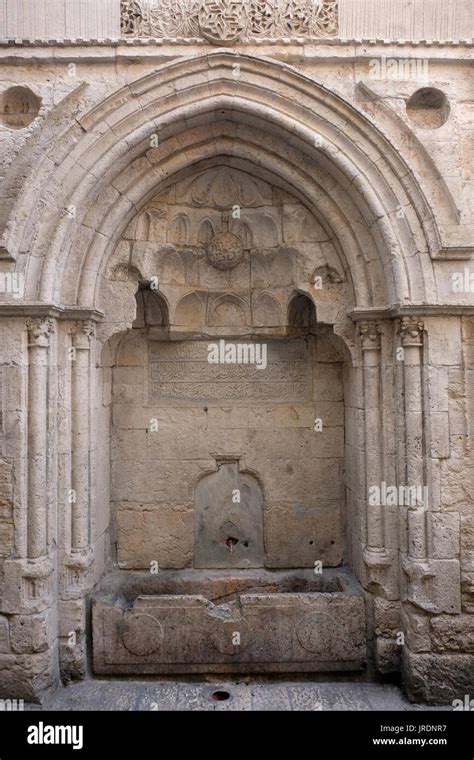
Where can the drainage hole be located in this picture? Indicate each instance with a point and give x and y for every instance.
(220, 696)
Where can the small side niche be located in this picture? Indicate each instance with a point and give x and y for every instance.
(228, 519)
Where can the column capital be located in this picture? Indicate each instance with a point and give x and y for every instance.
(81, 333)
(411, 331)
(370, 335)
(39, 331)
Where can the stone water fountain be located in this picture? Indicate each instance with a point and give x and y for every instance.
(229, 550)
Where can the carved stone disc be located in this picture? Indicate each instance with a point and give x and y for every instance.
(225, 251)
(142, 634)
(230, 637)
(314, 630)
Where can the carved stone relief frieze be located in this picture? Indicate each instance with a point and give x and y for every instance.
(223, 22)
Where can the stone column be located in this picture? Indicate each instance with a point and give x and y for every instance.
(78, 556)
(370, 343)
(411, 334)
(80, 436)
(39, 331)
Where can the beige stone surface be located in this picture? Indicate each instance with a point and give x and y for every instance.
(311, 534)
(161, 533)
(173, 634)
(307, 194)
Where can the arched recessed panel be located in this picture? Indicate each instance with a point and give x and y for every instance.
(179, 230)
(206, 232)
(228, 533)
(353, 180)
(228, 311)
(266, 311)
(190, 311)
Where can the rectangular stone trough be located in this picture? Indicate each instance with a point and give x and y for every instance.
(250, 621)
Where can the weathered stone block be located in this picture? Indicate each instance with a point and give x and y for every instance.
(228, 417)
(303, 479)
(277, 628)
(71, 616)
(30, 633)
(312, 534)
(161, 533)
(386, 617)
(149, 482)
(387, 655)
(440, 590)
(451, 633)
(437, 678)
(328, 443)
(443, 535)
(327, 382)
(73, 660)
(440, 428)
(4, 635)
(444, 341)
(278, 444)
(6, 539)
(416, 627)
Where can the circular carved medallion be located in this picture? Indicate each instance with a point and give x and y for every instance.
(314, 631)
(225, 251)
(141, 634)
(230, 637)
(19, 106)
(222, 21)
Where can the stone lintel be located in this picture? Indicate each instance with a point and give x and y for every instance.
(396, 311)
(44, 310)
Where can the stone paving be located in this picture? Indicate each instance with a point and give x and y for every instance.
(208, 695)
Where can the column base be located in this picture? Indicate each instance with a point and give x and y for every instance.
(382, 571)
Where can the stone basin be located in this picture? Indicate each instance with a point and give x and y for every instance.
(248, 621)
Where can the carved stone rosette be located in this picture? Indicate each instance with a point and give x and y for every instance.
(222, 21)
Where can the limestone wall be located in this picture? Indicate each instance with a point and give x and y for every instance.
(155, 471)
(349, 19)
(56, 19)
(351, 161)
